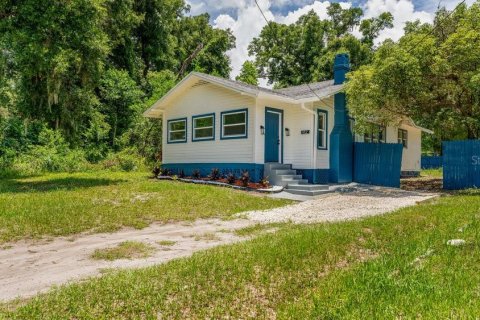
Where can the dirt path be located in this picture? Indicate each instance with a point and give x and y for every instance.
(29, 268)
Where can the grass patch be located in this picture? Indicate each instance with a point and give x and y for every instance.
(259, 228)
(66, 204)
(207, 236)
(386, 267)
(433, 173)
(166, 242)
(125, 250)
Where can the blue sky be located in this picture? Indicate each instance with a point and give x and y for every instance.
(246, 22)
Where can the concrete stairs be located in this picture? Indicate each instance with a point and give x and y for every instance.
(283, 175)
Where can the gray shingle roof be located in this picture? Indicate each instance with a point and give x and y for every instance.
(322, 89)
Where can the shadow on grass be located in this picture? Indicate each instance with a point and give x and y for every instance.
(71, 183)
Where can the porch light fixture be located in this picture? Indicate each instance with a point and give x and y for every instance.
(287, 132)
(262, 130)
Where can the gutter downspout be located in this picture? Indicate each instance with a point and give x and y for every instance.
(314, 156)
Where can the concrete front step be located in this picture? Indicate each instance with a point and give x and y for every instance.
(307, 192)
(279, 172)
(295, 181)
(307, 187)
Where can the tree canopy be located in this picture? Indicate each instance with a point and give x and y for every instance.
(90, 65)
(248, 74)
(431, 75)
(303, 52)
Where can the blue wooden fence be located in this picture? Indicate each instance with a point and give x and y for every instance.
(431, 162)
(378, 163)
(461, 164)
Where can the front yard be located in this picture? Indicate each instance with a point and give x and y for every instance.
(393, 266)
(66, 204)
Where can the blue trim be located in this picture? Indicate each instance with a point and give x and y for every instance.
(325, 112)
(282, 130)
(255, 169)
(246, 124)
(193, 127)
(168, 130)
(315, 176)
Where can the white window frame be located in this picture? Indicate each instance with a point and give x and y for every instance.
(323, 144)
(169, 131)
(195, 128)
(245, 123)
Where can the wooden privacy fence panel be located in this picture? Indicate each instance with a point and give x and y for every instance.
(378, 163)
(431, 162)
(461, 164)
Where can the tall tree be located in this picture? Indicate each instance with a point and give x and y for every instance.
(155, 33)
(248, 74)
(370, 28)
(303, 52)
(119, 96)
(432, 75)
(59, 57)
(201, 47)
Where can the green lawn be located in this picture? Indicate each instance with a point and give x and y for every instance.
(434, 173)
(396, 266)
(64, 204)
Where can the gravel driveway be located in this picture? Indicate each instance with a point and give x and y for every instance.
(27, 267)
(349, 202)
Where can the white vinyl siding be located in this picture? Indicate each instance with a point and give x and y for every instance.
(411, 155)
(201, 100)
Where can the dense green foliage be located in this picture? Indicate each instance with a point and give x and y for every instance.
(395, 266)
(248, 74)
(87, 69)
(432, 74)
(303, 52)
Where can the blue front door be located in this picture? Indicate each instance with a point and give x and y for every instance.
(273, 139)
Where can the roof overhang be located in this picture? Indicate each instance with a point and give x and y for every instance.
(157, 109)
(411, 123)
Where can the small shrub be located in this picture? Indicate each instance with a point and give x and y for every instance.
(231, 178)
(245, 178)
(181, 174)
(156, 171)
(264, 182)
(126, 160)
(215, 174)
(196, 174)
(165, 172)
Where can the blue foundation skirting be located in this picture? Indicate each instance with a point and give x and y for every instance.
(255, 170)
(315, 176)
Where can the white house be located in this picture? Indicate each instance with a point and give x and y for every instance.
(211, 122)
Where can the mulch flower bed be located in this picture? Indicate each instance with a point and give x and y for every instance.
(252, 186)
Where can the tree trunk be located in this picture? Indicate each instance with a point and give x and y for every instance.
(114, 134)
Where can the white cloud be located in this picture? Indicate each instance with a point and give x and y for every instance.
(248, 24)
(320, 8)
(402, 11)
(249, 21)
